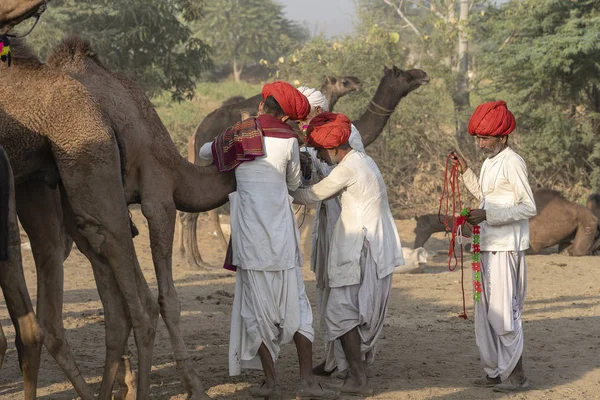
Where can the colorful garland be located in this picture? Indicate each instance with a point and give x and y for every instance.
(476, 254)
(5, 49)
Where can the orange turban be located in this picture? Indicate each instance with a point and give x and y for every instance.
(328, 130)
(492, 119)
(293, 103)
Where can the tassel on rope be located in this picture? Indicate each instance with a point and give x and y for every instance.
(451, 202)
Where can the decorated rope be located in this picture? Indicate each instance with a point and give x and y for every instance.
(5, 49)
(455, 225)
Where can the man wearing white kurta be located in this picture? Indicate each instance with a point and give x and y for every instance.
(506, 204)
(270, 304)
(364, 248)
(328, 212)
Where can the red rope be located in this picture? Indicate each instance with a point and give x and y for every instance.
(451, 199)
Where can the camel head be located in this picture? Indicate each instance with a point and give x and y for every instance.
(404, 81)
(340, 85)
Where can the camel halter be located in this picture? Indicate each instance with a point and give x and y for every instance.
(451, 193)
(5, 39)
(386, 112)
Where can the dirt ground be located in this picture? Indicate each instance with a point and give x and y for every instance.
(426, 351)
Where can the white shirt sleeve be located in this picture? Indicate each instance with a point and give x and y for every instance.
(516, 173)
(472, 183)
(340, 178)
(205, 152)
(293, 174)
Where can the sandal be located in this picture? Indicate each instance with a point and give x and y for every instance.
(321, 393)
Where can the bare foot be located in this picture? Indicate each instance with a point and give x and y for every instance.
(271, 393)
(352, 388)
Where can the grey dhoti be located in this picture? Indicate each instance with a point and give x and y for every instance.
(498, 326)
(361, 306)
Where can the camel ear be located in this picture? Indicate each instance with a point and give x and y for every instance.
(328, 79)
(397, 71)
(386, 70)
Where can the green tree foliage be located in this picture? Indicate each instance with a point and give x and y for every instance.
(411, 150)
(243, 32)
(147, 40)
(543, 57)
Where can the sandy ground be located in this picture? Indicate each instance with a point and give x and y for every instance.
(426, 351)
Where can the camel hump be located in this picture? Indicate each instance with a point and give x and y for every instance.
(70, 49)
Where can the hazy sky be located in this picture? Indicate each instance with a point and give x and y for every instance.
(331, 17)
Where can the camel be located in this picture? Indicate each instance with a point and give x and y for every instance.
(393, 87)
(559, 222)
(55, 134)
(230, 112)
(155, 176)
(12, 12)
(29, 334)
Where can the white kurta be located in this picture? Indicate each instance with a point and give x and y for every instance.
(358, 282)
(504, 192)
(365, 214)
(270, 303)
(326, 216)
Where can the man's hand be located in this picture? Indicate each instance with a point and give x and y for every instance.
(476, 217)
(460, 161)
(305, 164)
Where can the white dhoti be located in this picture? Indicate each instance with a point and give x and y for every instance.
(498, 326)
(269, 307)
(363, 306)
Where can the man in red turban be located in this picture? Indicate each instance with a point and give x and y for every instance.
(329, 133)
(364, 249)
(264, 249)
(506, 204)
(293, 103)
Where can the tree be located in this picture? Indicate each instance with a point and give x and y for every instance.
(543, 57)
(147, 40)
(245, 31)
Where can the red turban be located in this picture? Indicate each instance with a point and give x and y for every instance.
(492, 119)
(328, 130)
(293, 103)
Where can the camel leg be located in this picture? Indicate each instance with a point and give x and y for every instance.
(116, 322)
(40, 213)
(3, 346)
(584, 238)
(179, 229)
(29, 336)
(94, 196)
(214, 219)
(161, 225)
(189, 222)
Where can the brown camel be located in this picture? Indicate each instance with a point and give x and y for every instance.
(230, 112)
(13, 12)
(559, 222)
(51, 127)
(155, 176)
(29, 335)
(393, 87)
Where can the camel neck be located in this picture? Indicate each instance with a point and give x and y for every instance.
(380, 108)
(202, 188)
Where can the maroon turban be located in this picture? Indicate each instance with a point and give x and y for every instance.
(328, 130)
(492, 119)
(293, 103)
